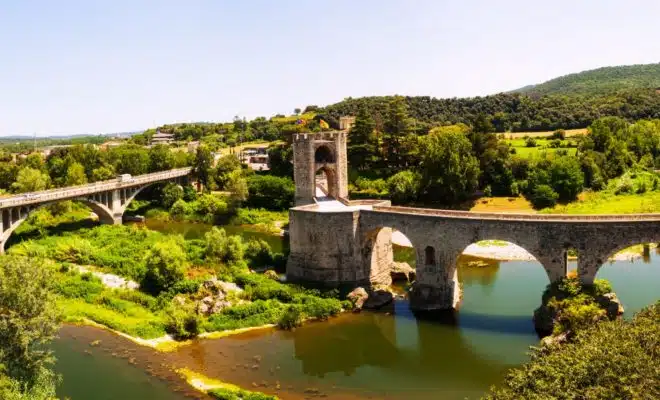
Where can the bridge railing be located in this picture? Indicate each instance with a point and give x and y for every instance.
(517, 217)
(83, 190)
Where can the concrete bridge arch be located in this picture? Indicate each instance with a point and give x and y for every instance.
(107, 199)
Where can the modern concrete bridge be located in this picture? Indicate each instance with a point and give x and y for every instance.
(108, 199)
(348, 243)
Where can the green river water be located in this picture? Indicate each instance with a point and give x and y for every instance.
(386, 355)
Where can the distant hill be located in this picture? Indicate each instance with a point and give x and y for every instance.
(599, 81)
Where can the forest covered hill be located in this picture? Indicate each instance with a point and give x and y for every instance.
(599, 81)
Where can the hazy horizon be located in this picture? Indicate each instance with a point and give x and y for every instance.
(80, 68)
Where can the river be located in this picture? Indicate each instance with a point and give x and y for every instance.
(385, 355)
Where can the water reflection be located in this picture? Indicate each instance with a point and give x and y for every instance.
(366, 340)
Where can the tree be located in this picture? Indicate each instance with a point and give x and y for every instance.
(160, 158)
(280, 161)
(566, 178)
(166, 265)
(30, 180)
(75, 175)
(362, 144)
(171, 194)
(202, 166)
(543, 196)
(225, 165)
(103, 173)
(219, 246)
(29, 321)
(404, 186)
(397, 126)
(450, 171)
(296, 111)
(270, 192)
(237, 186)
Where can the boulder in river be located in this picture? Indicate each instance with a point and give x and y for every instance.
(610, 302)
(358, 296)
(402, 272)
(378, 299)
(272, 275)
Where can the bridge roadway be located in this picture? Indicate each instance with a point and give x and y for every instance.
(108, 199)
(350, 243)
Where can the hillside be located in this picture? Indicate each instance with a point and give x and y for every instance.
(599, 81)
(510, 111)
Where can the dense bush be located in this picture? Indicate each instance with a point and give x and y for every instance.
(543, 196)
(291, 318)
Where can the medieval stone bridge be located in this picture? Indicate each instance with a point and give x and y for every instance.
(348, 243)
(108, 199)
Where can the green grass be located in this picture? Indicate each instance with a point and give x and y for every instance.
(542, 145)
(606, 203)
(636, 192)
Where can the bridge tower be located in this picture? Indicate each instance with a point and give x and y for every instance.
(320, 152)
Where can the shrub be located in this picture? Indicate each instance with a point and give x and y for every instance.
(320, 308)
(530, 142)
(179, 209)
(182, 323)
(270, 192)
(222, 248)
(291, 318)
(258, 253)
(210, 207)
(559, 134)
(543, 196)
(166, 265)
(404, 186)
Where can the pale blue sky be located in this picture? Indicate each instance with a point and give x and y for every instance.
(71, 67)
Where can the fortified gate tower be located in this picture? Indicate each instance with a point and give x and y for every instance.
(320, 152)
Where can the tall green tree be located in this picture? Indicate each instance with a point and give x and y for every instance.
(362, 142)
(160, 158)
(75, 175)
(202, 166)
(450, 170)
(29, 321)
(397, 126)
(30, 180)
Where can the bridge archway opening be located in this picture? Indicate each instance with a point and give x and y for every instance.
(387, 253)
(633, 272)
(324, 155)
(50, 218)
(500, 278)
(325, 180)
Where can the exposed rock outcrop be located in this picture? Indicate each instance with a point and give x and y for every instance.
(371, 300)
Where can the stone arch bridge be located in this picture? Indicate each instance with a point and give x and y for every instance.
(349, 243)
(108, 199)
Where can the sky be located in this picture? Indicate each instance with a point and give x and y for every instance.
(90, 67)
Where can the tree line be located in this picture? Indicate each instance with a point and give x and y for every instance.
(451, 163)
(508, 111)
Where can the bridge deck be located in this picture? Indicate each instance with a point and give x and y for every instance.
(83, 190)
